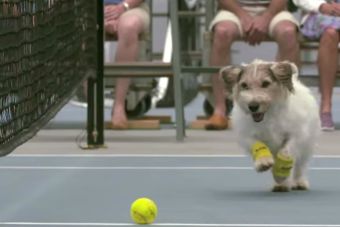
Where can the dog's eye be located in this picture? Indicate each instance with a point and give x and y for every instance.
(244, 86)
(265, 84)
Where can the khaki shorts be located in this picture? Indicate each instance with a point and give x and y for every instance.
(143, 12)
(223, 15)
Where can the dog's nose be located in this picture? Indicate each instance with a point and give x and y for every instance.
(253, 107)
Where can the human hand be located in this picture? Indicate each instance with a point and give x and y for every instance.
(259, 29)
(111, 26)
(332, 9)
(247, 23)
(113, 12)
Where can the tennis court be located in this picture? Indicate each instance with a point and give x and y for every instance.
(48, 49)
(47, 182)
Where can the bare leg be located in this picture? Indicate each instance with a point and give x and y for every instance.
(286, 36)
(327, 64)
(224, 35)
(129, 29)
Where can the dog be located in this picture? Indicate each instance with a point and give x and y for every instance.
(276, 118)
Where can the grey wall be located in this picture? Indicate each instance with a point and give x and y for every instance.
(159, 24)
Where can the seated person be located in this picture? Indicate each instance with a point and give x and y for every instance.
(253, 21)
(323, 23)
(127, 20)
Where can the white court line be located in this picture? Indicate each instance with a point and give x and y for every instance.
(145, 168)
(123, 168)
(145, 155)
(63, 224)
(142, 156)
(161, 224)
(126, 156)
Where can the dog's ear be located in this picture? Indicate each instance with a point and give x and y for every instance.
(283, 72)
(231, 74)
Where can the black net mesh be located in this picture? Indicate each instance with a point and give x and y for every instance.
(47, 48)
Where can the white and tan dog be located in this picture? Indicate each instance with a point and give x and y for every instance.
(276, 118)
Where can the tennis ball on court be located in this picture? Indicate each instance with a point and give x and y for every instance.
(143, 211)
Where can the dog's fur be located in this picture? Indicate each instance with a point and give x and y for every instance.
(271, 105)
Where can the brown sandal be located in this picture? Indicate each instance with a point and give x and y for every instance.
(217, 122)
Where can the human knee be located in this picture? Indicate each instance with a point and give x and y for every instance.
(330, 35)
(129, 28)
(224, 32)
(287, 33)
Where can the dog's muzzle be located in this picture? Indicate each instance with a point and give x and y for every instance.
(257, 117)
(254, 107)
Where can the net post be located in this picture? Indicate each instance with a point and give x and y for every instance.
(95, 111)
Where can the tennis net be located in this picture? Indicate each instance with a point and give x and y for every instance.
(47, 49)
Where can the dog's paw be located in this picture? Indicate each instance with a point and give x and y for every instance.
(262, 156)
(280, 188)
(264, 164)
(301, 185)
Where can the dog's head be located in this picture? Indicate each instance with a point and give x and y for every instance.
(259, 85)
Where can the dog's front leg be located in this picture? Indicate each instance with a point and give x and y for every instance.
(281, 170)
(262, 156)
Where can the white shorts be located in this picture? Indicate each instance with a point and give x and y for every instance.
(224, 15)
(143, 13)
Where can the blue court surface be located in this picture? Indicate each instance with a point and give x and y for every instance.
(204, 181)
(190, 190)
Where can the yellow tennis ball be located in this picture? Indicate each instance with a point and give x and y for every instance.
(143, 211)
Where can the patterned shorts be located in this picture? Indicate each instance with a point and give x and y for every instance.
(314, 24)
